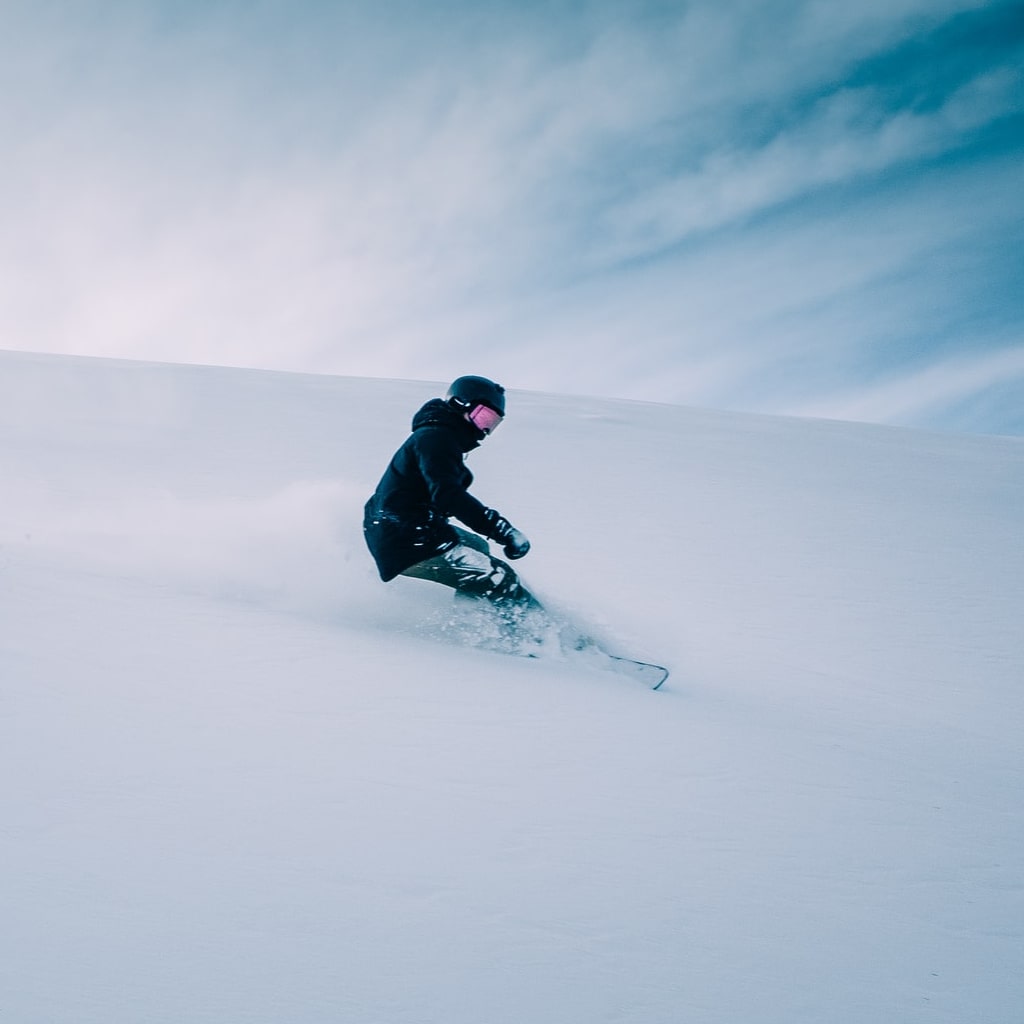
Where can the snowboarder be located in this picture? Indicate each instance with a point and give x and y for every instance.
(407, 528)
(406, 521)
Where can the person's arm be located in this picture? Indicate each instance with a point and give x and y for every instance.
(441, 466)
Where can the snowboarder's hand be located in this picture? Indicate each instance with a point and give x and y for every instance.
(504, 533)
(516, 545)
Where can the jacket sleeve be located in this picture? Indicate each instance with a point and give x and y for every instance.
(440, 463)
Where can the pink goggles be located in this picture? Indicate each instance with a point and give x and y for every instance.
(484, 418)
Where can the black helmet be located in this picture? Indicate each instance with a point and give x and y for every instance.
(465, 392)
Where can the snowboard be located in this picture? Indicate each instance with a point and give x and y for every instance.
(539, 632)
(643, 672)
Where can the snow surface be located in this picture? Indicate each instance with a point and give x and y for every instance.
(244, 781)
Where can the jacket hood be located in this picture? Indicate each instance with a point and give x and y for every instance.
(438, 413)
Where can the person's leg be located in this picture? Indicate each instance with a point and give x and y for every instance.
(471, 570)
(476, 575)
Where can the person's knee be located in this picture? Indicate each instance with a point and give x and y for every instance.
(474, 573)
(507, 588)
(487, 577)
(474, 541)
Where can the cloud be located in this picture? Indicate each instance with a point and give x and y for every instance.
(914, 397)
(790, 307)
(579, 196)
(846, 137)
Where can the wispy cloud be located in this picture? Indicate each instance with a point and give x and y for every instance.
(845, 137)
(740, 203)
(915, 397)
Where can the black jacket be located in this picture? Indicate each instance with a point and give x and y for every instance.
(426, 482)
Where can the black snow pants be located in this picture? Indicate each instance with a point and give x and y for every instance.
(471, 570)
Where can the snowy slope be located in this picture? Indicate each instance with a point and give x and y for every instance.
(243, 781)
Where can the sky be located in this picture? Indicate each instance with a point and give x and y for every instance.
(800, 208)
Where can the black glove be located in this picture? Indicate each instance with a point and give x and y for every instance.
(517, 544)
(513, 541)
